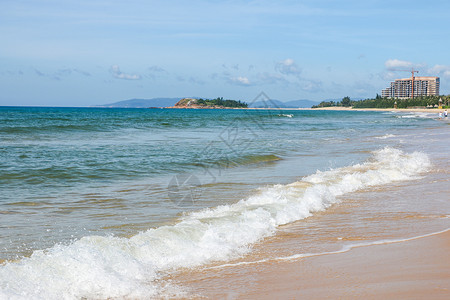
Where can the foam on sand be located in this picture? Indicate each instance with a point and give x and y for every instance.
(112, 267)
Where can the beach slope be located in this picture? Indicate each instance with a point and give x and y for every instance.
(413, 269)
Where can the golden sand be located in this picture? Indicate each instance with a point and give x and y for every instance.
(413, 269)
(427, 110)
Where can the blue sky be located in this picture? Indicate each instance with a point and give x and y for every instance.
(80, 53)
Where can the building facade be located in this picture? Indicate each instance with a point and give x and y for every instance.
(402, 88)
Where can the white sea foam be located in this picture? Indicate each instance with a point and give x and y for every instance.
(112, 267)
(286, 115)
(408, 116)
(386, 136)
(424, 115)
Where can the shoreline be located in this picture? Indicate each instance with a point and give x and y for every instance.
(429, 110)
(400, 110)
(414, 268)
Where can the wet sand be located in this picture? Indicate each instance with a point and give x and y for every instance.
(427, 110)
(412, 269)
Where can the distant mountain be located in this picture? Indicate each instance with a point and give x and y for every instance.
(267, 104)
(142, 103)
(281, 104)
(301, 103)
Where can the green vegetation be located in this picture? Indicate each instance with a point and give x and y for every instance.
(346, 102)
(221, 102)
(380, 102)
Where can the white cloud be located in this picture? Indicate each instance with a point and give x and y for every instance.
(116, 73)
(397, 65)
(440, 70)
(239, 80)
(392, 64)
(288, 67)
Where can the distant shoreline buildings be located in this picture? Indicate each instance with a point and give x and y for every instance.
(422, 86)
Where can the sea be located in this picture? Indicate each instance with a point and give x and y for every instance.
(111, 203)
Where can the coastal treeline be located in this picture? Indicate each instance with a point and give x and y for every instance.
(381, 102)
(345, 102)
(221, 102)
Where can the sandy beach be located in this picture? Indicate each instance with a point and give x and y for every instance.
(411, 269)
(427, 110)
(339, 108)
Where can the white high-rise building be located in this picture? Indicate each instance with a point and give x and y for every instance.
(402, 88)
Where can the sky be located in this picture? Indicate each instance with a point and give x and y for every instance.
(88, 52)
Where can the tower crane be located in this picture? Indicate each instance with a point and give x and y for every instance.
(412, 80)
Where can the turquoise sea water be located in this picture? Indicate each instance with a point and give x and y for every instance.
(71, 177)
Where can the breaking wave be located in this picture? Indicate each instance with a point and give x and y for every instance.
(115, 267)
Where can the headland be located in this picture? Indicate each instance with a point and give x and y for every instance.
(218, 103)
